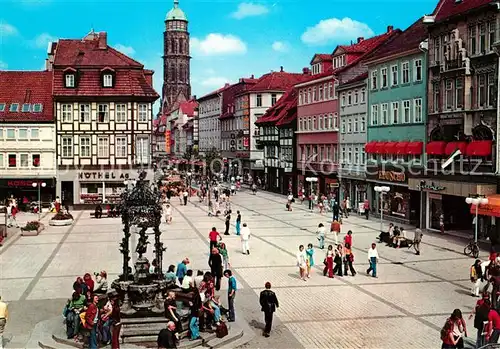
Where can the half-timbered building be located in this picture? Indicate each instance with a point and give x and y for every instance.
(103, 103)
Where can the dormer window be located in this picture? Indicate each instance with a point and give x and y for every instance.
(338, 61)
(37, 108)
(107, 80)
(26, 108)
(70, 80)
(316, 68)
(14, 107)
(2, 107)
(108, 77)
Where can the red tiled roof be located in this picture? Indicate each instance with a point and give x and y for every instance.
(85, 53)
(26, 87)
(89, 56)
(278, 81)
(230, 93)
(214, 92)
(188, 107)
(408, 40)
(322, 57)
(285, 106)
(449, 8)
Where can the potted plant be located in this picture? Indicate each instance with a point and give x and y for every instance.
(32, 228)
(61, 218)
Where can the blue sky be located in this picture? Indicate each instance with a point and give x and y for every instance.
(230, 39)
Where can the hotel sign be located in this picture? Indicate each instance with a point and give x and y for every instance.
(96, 175)
(392, 176)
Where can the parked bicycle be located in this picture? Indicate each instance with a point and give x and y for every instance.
(472, 249)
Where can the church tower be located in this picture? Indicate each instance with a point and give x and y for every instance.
(176, 70)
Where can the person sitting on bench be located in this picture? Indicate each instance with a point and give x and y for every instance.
(401, 236)
(386, 236)
(188, 282)
(98, 211)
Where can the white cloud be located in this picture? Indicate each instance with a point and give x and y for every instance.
(249, 9)
(126, 50)
(7, 29)
(43, 39)
(335, 30)
(214, 81)
(218, 44)
(3, 65)
(280, 46)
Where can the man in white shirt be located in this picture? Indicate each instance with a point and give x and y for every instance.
(373, 260)
(245, 236)
(185, 194)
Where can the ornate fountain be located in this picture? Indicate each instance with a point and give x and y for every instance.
(141, 211)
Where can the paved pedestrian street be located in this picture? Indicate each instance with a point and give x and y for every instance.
(404, 307)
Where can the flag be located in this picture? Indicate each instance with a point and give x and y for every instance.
(451, 158)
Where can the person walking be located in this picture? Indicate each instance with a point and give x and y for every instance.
(215, 264)
(245, 237)
(225, 257)
(366, 207)
(238, 222)
(227, 222)
(310, 259)
(4, 316)
(417, 239)
(321, 235)
(373, 259)
(330, 254)
(476, 277)
(347, 207)
(289, 201)
(348, 259)
(214, 238)
(167, 338)
(182, 270)
(348, 238)
(185, 195)
(231, 293)
(268, 303)
(335, 229)
(338, 261)
(168, 213)
(302, 263)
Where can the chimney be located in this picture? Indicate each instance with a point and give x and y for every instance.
(148, 74)
(360, 39)
(390, 28)
(306, 71)
(103, 40)
(227, 84)
(193, 98)
(281, 69)
(252, 77)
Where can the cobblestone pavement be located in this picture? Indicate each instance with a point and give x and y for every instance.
(403, 308)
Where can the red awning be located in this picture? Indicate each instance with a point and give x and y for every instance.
(380, 148)
(415, 148)
(435, 148)
(452, 146)
(479, 148)
(401, 148)
(390, 147)
(370, 147)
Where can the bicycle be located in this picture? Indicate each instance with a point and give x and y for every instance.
(472, 249)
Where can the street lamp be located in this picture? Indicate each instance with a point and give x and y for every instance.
(188, 180)
(381, 190)
(311, 180)
(476, 201)
(39, 185)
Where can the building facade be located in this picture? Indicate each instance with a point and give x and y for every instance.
(209, 131)
(176, 59)
(103, 105)
(353, 136)
(397, 108)
(276, 130)
(462, 112)
(181, 120)
(27, 136)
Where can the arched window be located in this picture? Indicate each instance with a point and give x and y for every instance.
(171, 72)
(181, 46)
(182, 74)
(482, 133)
(437, 134)
(172, 46)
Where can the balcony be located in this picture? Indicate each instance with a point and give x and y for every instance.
(453, 64)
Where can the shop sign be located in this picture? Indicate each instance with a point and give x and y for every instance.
(103, 176)
(242, 155)
(246, 122)
(431, 186)
(392, 176)
(435, 196)
(24, 183)
(168, 141)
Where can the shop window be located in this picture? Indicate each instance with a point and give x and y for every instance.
(35, 160)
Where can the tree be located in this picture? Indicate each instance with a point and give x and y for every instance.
(213, 160)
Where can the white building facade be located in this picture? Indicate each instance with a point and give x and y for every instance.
(209, 129)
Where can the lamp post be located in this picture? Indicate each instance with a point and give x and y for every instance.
(381, 190)
(188, 179)
(476, 201)
(311, 180)
(39, 185)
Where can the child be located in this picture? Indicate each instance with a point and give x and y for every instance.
(310, 259)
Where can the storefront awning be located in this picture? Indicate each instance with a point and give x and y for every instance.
(390, 147)
(401, 148)
(479, 148)
(452, 146)
(492, 208)
(415, 148)
(370, 147)
(435, 148)
(380, 148)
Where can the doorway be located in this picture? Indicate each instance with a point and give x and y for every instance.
(67, 193)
